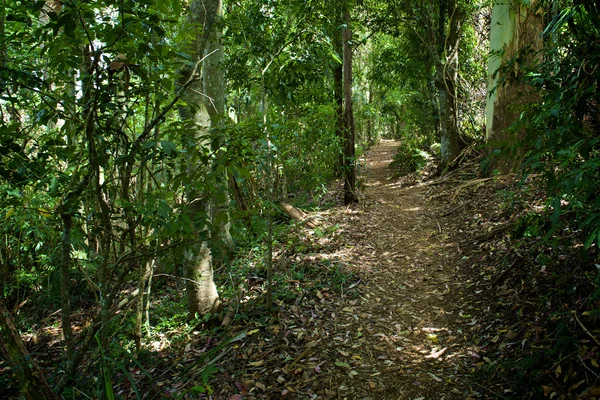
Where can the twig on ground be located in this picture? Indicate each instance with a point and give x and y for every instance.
(501, 274)
(587, 332)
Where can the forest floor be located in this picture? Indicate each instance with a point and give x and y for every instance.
(426, 289)
(406, 335)
(400, 328)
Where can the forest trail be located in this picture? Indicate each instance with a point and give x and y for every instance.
(401, 338)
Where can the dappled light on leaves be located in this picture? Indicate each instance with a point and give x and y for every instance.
(297, 199)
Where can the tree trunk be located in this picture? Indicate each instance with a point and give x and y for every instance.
(370, 134)
(4, 270)
(349, 128)
(446, 81)
(448, 124)
(30, 376)
(65, 286)
(202, 294)
(222, 244)
(514, 27)
(338, 96)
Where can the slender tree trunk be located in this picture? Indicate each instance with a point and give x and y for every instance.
(65, 286)
(222, 243)
(449, 136)
(90, 104)
(30, 376)
(350, 128)
(338, 96)
(4, 270)
(144, 274)
(446, 81)
(370, 133)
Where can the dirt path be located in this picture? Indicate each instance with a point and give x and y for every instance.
(402, 337)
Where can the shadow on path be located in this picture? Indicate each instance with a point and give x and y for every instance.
(403, 336)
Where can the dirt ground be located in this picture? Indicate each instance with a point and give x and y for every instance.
(404, 337)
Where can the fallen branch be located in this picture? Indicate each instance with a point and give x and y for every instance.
(474, 182)
(298, 215)
(453, 210)
(501, 274)
(309, 347)
(494, 231)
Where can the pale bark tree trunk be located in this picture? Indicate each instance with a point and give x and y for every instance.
(30, 376)
(202, 295)
(349, 128)
(514, 28)
(214, 101)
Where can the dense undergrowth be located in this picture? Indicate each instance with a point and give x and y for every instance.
(179, 356)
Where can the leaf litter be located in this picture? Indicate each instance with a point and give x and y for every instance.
(419, 293)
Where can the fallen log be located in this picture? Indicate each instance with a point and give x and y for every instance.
(298, 215)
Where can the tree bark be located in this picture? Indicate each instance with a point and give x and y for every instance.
(4, 271)
(370, 134)
(65, 286)
(202, 294)
(30, 376)
(222, 244)
(514, 28)
(338, 95)
(446, 80)
(349, 128)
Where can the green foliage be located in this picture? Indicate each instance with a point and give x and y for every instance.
(402, 76)
(410, 158)
(563, 127)
(531, 225)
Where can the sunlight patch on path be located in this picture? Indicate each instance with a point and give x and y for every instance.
(400, 333)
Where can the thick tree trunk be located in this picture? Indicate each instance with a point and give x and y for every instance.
(350, 128)
(222, 244)
(202, 294)
(30, 376)
(514, 27)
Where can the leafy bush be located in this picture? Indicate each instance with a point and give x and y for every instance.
(563, 127)
(410, 158)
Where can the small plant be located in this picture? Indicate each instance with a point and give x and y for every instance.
(410, 158)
